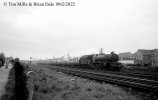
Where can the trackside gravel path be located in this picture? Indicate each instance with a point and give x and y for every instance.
(3, 78)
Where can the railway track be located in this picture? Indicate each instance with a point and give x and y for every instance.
(136, 74)
(141, 75)
(140, 83)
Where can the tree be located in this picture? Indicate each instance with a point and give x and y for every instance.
(2, 59)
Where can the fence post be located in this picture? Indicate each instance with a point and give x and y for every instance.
(30, 84)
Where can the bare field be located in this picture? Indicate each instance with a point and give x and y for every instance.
(52, 85)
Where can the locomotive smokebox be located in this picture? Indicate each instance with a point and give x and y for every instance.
(114, 57)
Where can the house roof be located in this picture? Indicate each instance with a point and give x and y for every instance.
(147, 52)
(124, 55)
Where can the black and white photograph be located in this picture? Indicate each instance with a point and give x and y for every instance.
(78, 50)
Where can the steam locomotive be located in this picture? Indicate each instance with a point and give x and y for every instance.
(101, 61)
(93, 61)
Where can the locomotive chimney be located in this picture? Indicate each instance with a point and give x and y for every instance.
(101, 51)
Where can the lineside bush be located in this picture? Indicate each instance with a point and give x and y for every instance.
(16, 87)
(20, 90)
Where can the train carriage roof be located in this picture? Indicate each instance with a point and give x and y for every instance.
(85, 56)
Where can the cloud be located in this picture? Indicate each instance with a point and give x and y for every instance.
(116, 25)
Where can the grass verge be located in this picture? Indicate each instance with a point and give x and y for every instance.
(52, 85)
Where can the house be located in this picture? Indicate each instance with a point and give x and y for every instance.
(126, 58)
(155, 58)
(125, 55)
(147, 57)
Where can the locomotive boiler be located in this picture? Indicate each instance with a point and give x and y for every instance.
(101, 61)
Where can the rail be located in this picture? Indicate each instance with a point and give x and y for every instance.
(141, 83)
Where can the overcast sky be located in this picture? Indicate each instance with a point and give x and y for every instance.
(115, 25)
